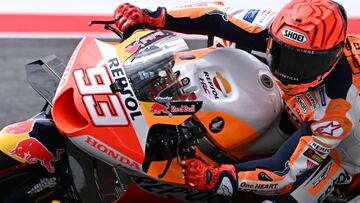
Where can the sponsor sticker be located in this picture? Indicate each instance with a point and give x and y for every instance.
(222, 84)
(33, 151)
(311, 154)
(301, 103)
(294, 35)
(215, 85)
(312, 101)
(263, 19)
(251, 15)
(320, 149)
(323, 174)
(111, 153)
(258, 186)
(175, 108)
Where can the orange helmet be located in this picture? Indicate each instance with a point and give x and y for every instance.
(305, 42)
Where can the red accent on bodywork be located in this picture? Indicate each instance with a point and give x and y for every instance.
(23, 127)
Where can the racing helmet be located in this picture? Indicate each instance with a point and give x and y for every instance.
(305, 42)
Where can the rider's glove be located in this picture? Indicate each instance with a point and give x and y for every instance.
(200, 176)
(127, 15)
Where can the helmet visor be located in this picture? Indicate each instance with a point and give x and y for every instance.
(294, 65)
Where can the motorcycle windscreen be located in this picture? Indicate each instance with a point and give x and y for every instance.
(151, 76)
(108, 125)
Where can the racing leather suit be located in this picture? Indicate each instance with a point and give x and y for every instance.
(327, 117)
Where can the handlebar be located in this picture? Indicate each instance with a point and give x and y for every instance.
(107, 25)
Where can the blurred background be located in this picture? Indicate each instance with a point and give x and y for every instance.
(32, 29)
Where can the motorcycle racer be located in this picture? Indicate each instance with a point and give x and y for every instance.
(316, 65)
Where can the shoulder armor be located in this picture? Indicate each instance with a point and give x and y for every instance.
(352, 52)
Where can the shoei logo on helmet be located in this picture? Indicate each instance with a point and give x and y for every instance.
(294, 36)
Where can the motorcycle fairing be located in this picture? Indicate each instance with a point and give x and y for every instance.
(34, 141)
(86, 108)
(233, 94)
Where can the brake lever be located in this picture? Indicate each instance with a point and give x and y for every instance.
(102, 22)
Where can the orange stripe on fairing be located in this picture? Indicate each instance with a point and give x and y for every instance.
(303, 142)
(236, 136)
(313, 191)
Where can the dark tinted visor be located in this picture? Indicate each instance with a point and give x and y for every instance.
(294, 65)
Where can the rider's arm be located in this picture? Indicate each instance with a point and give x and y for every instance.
(246, 27)
(304, 150)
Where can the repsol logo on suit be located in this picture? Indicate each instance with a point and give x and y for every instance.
(294, 36)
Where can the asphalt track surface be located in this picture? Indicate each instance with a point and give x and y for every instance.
(18, 101)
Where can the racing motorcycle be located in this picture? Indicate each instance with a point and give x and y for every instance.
(121, 115)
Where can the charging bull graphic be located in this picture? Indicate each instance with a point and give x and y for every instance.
(160, 109)
(32, 151)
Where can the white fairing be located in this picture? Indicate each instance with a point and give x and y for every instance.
(249, 99)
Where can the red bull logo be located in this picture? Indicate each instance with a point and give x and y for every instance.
(23, 127)
(32, 151)
(159, 109)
